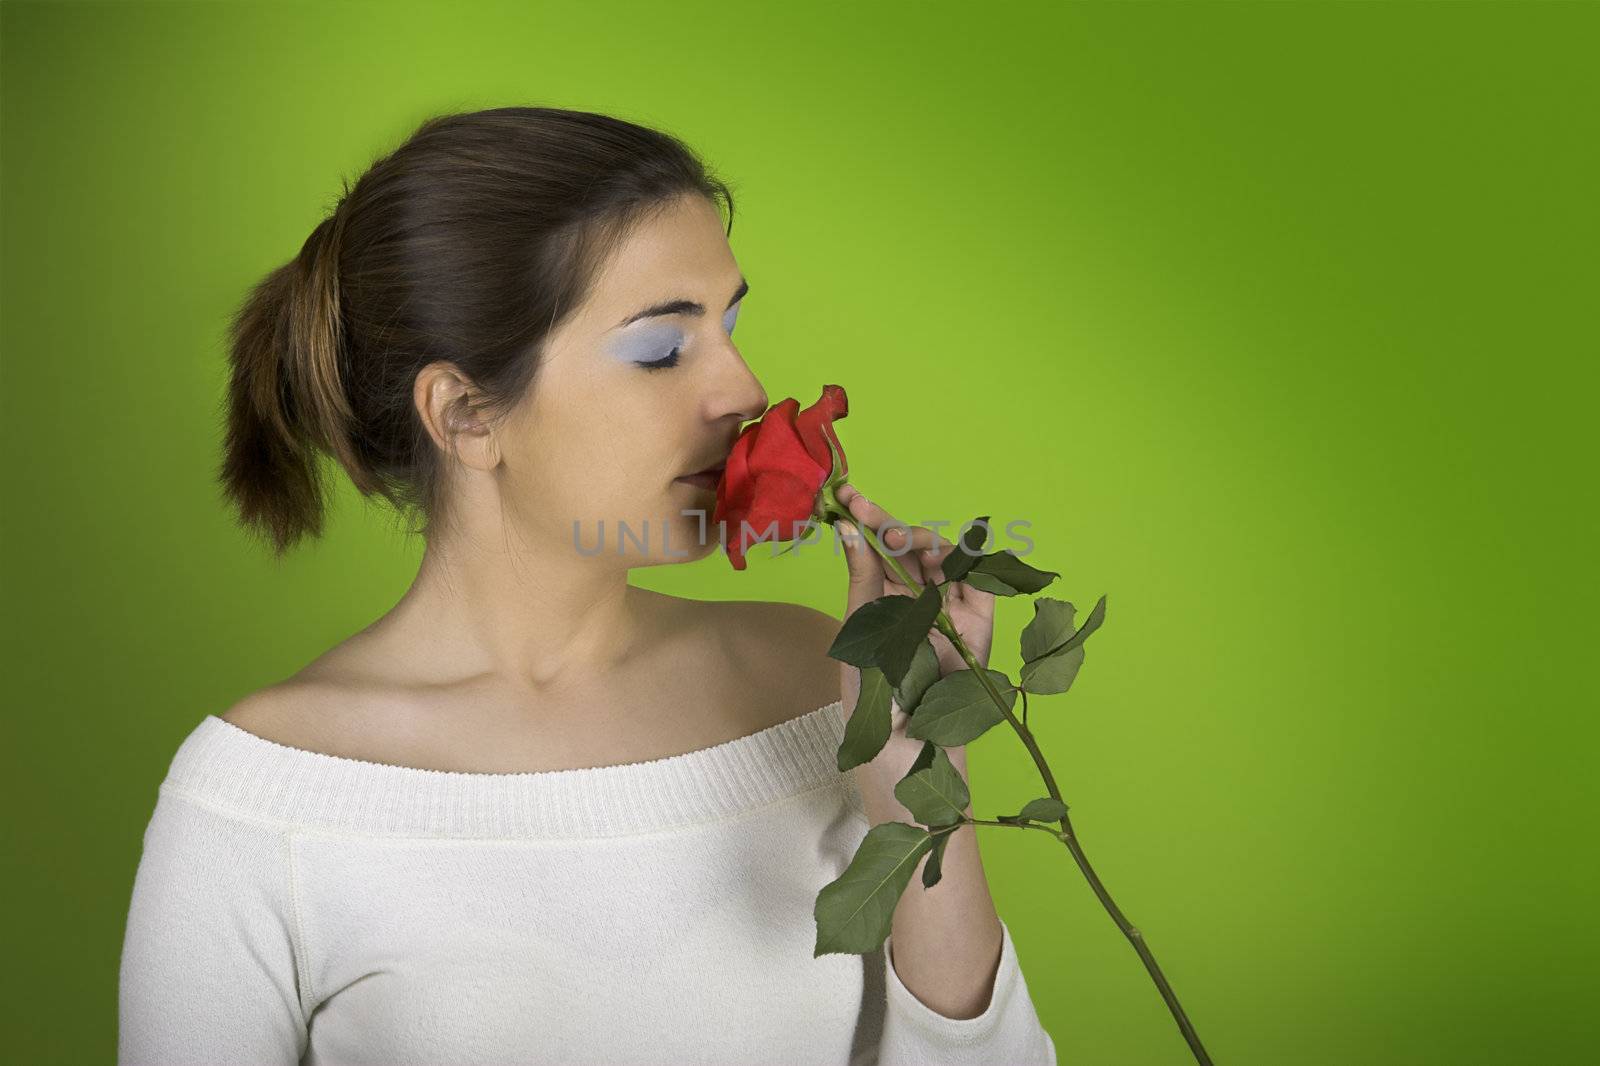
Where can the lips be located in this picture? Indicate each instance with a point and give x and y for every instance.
(705, 479)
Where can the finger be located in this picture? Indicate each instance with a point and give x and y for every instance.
(920, 538)
(930, 549)
(893, 582)
(866, 582)
(875, 518)
(870, 514)
(903, 541)
(903, 538)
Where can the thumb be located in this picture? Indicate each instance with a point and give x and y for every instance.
(866, 572)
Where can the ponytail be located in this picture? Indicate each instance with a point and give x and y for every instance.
(286, 396)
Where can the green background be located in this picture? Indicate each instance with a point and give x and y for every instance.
(1275, 322)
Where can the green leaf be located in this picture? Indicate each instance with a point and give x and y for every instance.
(1048, 809)
(1046, 670)
(1053, 674)
(1051, 625)
(931, 871)
(923, 672)
(1003, 574)
(968, 550)
(862, 634)
(1055, 651)
(903, 636)
(854, 913)
(870, 723)
(1097, 614)
(924, 758)
(936, 795)
(957, 709)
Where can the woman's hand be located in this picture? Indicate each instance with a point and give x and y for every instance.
(970, 610)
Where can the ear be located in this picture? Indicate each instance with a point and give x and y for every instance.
(445, 400)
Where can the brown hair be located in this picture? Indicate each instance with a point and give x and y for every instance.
(470, 243)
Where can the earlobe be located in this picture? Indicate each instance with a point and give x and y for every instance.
(479, 443)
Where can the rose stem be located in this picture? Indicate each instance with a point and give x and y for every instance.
(1067, 835)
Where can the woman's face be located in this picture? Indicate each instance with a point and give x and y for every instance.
(589, 460)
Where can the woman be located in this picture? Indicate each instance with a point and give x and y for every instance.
(534, 814)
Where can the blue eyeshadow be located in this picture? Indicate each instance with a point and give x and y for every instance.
(646, 345)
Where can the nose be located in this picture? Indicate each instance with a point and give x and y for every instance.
(756, 404)
(739, 391)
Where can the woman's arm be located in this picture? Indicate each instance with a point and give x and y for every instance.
(955, 989)
(209, 969)
(956, 993)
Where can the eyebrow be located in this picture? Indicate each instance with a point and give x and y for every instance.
(682, 307)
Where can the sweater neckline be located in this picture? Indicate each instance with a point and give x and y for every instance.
(228, 767)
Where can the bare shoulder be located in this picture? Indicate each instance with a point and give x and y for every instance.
(354, 700)
(726, 668)
(806, 629)
(783, 647)
(293, 713)
(776, 630)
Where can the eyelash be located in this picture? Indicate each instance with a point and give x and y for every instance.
(671, 360)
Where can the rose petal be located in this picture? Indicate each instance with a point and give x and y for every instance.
(775, 496)
(815, 426)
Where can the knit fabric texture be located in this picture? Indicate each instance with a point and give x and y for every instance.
(292, 906)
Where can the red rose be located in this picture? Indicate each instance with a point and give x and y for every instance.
(777, 467)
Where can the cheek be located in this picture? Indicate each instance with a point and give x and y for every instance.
(618, 466)
(602, 447)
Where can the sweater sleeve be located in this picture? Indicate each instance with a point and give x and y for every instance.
(208, 972)
(1007, 1031)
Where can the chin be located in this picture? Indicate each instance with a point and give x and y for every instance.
(676, 537)
(694, 537)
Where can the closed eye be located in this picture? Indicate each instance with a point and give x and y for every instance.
(669, 360)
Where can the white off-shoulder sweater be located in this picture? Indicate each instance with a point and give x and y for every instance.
(296, 907)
